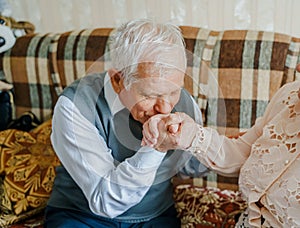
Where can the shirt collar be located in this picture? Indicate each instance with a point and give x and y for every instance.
(111, 96)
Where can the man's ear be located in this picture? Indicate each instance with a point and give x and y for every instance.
(116, 80)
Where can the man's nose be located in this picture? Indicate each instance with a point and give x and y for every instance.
(163, 106)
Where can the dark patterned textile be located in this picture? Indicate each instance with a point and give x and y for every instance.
(27, 166)
(207, 207)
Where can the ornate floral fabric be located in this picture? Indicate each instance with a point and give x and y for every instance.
(27, 166)
(207, 207)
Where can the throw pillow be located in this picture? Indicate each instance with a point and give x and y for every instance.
(26, 122)
(27, 168)
(207, 206)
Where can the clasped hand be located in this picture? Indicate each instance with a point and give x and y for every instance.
(169, 131)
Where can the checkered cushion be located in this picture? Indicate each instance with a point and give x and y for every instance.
(41, 65)
(231, 74)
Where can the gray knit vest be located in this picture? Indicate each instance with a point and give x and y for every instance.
(123, 136)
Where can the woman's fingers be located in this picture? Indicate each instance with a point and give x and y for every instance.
(168, 131)
(148, 142)
(151, 130)
(173, 129)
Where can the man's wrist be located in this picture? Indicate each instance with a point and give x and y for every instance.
(147, 157)
(161, 150)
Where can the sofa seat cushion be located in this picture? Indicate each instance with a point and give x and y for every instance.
(27, 166)
(207, 206)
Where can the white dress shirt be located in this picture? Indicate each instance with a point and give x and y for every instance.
(109, 188)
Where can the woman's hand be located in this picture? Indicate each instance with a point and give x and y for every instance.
(171, 131)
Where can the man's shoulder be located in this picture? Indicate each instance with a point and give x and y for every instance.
(89, 80)
(88, 83)
(185, 104)
(186, 97)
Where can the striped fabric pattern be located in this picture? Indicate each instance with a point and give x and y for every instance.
(78, 53)
(231, 74)
(26, 66)
(238, 73)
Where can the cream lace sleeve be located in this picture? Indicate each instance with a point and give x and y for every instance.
(225, 155)
(220, 153)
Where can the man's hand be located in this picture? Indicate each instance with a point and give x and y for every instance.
(171, 131)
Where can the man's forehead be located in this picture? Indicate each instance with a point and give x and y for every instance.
(150, 69)
(157, 85)
(174, 78)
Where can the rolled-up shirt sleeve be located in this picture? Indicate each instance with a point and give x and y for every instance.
(110, 188)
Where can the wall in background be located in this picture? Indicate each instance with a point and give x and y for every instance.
(64, 15)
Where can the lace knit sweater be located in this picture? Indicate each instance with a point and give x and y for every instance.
(266, 158)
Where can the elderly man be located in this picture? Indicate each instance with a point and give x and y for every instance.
(108, 178)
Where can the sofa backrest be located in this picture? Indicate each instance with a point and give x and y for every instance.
(231, 74)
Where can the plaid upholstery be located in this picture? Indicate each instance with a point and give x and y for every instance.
(41, 65)
(26, 66)
(231, 74)
(79, 53)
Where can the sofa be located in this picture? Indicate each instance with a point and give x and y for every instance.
(231, 74)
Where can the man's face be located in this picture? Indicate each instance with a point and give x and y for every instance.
(151, 94)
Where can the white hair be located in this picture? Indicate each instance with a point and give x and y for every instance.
(144, 40)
